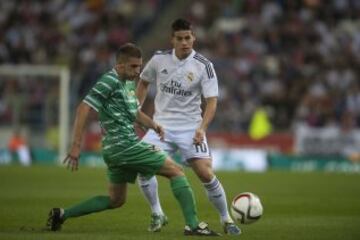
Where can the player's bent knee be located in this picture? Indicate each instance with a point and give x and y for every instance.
(171, 169)
(205, 174)
(205, 177)
(178, 170)
(116, 203)
(203, 169)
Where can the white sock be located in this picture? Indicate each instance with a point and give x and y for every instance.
(149, 188)
(217, 196)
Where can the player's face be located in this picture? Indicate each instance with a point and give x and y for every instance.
(183, 42)
(131, 68)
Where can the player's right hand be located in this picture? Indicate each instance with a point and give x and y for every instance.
(72, 159)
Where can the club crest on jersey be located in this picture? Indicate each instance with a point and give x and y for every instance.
(190, 76)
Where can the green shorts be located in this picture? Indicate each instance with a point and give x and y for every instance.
(124, 166)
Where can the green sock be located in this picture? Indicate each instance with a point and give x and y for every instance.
(184, 194)
(92, 205)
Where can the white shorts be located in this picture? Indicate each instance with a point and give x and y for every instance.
(182, 141)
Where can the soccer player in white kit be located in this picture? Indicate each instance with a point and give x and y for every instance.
(182, 76)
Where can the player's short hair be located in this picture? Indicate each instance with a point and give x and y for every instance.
(181, 24)
(126, 51)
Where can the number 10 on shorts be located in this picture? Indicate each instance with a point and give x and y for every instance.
(201, 147)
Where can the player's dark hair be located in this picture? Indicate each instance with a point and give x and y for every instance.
(126, 51)
(180, 24)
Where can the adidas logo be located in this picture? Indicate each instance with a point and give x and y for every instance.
(164, 71)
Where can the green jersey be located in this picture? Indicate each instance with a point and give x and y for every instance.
(115, 101)
(124, 154)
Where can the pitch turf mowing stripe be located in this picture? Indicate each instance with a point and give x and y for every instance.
(297, 206)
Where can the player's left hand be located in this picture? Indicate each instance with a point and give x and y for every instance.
(160, 131)
(199, 136)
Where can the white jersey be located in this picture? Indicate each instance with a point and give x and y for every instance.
(179, 86)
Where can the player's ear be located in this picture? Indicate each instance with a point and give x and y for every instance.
(120, 67)
(193, 35)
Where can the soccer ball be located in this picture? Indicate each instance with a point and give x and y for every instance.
(246, 208)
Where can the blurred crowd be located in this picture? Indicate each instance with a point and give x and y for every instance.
(81, 34)
(298, 59)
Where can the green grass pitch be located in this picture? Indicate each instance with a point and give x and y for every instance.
(296, 205)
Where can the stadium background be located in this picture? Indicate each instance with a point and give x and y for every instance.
(288, 77)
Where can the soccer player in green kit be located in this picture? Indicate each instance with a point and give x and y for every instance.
(113, 98)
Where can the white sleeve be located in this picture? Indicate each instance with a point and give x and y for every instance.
(209, 82)
(148, 74)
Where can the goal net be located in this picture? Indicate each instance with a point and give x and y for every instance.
(34, 103)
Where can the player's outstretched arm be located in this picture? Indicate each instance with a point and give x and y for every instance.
(147, 122)
(72, 159)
